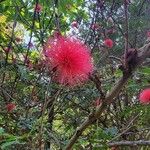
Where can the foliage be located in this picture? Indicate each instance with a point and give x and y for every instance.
(47, 113)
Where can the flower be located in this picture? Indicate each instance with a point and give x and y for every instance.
(38, 8)
(70, 58)
(108, 43)
(10, 107)
(74, 24)
(145, 96)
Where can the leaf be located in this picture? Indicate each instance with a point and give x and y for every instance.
(23, 72)
(7, 144)
(112, 131)
(2, 130)
(3, 19)
(145, 70)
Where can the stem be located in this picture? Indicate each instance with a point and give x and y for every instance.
(126, 34)
(31, 34)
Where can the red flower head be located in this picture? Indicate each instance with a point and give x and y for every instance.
(10, 107)
(145, 96)
(74, 24)
(108, 43)
(71, 59)
(38, 8)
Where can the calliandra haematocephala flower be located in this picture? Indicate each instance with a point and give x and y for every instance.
(10, 107)
(70, 57)
(108, 43)
(145, 96)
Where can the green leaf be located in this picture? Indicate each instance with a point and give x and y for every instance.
(8, 144)
(145, 70)
(2, 130)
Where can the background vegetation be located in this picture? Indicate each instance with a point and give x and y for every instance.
(47, 114)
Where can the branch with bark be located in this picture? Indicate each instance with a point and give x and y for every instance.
(142, 54)
(130, 143)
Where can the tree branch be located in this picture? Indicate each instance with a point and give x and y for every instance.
(142, 54)
(129, 143)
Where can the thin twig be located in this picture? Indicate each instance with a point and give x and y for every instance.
(31, 34)
(126, 34)
(127, 128)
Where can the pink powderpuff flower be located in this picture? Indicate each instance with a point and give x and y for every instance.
(10, 107)
(70, 59)
(145, 96)
(108, 43)
(38, 8)
(74, 24)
